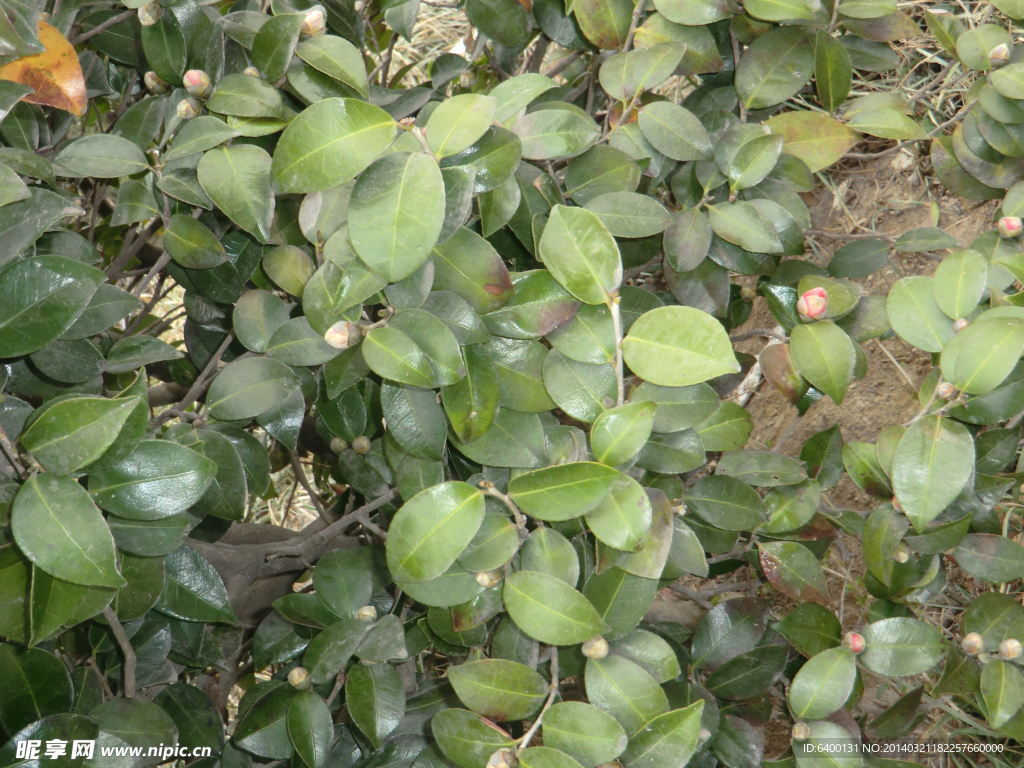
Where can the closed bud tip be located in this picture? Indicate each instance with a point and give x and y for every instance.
(342, 334)
(150, 14)
(902, 554)
(960, 324)
(813, 304)
(1009, 226)
(488, 579)
(338, 445)
(503, 758)
(188, 108)
(361, 444)
(1010, 648)
(747, 293)
(367, 613)
(300, 678)
(1000, 55)
(945, 390)
(801, 732)
(252, 72)
(973, 643)
(155, 84)
(197, 83)
(314, 23)
(854, 641)
(595, 648)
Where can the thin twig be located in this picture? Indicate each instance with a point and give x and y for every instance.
(163, 261)
(620, 380)
(552, 692)
(520, 519)
(334, 529)
(201, 382)
(368, 524)
(300, 475)
(12, 455)
(896, 362)
(637, 13)
(562, 64)
(129, 251)
(754, 332)
(128, 676)
(339, 681)
(111, 22)
(844, 236)
(735, 65)
(689, 593)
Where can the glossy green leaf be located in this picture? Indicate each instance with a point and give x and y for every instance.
(562, 492)
(250, 387)
(549, 610)
(237, 179)
(499, 689)
(678, 346)
(71, 433)
(901, 647)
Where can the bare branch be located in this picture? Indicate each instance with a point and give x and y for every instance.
(128, 678)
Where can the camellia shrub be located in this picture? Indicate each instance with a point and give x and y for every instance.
(480, 309)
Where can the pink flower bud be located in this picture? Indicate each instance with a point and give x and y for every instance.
(973, 643)
(188, 108)
(150, 14)
(342, 334)
(197, 83)
(314, 23)
(854, 642)
(1010, 649)
(960, 324)
(813, 303)
(1010, 226)
(154, 83)
(945, 390)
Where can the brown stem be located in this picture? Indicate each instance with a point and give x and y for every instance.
(300, 476)
(129, 251)
(11, 453)
(201, 382)
(111, 22)
(128, 678)
(334, 529)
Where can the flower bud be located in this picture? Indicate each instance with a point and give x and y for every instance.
(338, 445)
(155, 84)
(854, 641)
(488, 579)
(252, 72)
(896, 504)
(945, 390)
(1010, 648)
(973, 644)
(150, 14)
(503, 758)
(813, 303)
(960, 324)
(999, 56)
(361, 445)
(367, 613)
(188, 108)
(314, 23)
(342, 334)
(1009, 226)
(747, 293)
(703, 735)
(197, 83)
(902, 554)
(801, 732)
(595, 648)
(300, 678)
(153, 155)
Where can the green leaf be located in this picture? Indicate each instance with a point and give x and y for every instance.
(432, 529)
(59, 529)
(727, 630)
(343, 582)
(549, 610)
(274, 45)
(391, 354)
(309, 728)
(516, 93)
(415, 419)
(330, 143)
(257, 315)
(678, 346)
(749, 674)
(774, 67)
(35, 684)
(194, 715)
(933, 462)
(466, 738)
(564, 491)
(825, 356)
(263, 728)
(823, 684)
(472, 403)
(581, 254)
(159, 479)
(514, 440)
(69, 434)
(499, 689)
(726, 503)
(674, 131)
(45, 296)
(192, 244)
(741, 223)
(337, 58)
(1002, 688)
(618, 434)
(794, 571)
(396, 213)
(194, 591)
(102, 156)
(818, 140)
(247, 388)
(437, 342)
(583, 732)
(629, 214)
(666, 740)
(761, 468)
(833, 73)
(887, 124)
(375, 698)
(199, 135)
(237, 179)
(915, 314)
(469, 266)
(556, 131)
(810, 628)
(246, 96)
(459, 122)
(621, 599)
(296, 343)
(901, 647)
(625, 691)
(990, 557)
(983, 355)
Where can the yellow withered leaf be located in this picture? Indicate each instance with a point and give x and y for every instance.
(55, 74)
